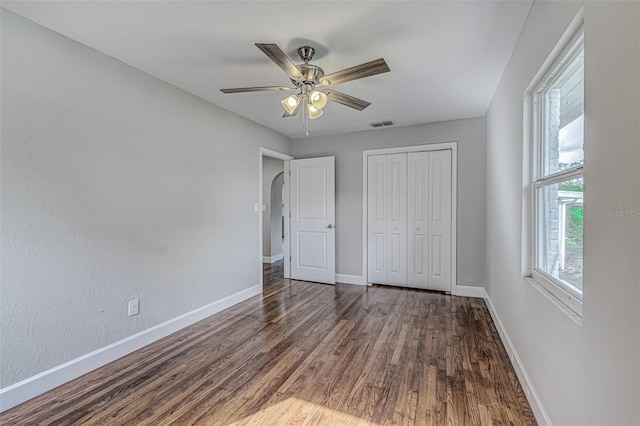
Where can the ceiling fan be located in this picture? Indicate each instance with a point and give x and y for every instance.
(311, 84)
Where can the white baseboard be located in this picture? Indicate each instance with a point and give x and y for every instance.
(349, 279)
(272, 259)
(470, 291)
(27, 389)
(532, 396)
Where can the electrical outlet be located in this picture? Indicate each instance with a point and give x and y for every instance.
(133, 307)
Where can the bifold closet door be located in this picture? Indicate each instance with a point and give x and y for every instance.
(429, 220)
(409, 219)
(439, 217)
(386, 221)
(396, 253)
(376, 218)
(418, 220)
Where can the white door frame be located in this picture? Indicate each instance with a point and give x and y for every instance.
(265, 152)
(453, 146)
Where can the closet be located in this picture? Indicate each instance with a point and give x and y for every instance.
(409, 219)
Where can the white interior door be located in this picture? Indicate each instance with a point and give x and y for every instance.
(312, 187)
(440, 220)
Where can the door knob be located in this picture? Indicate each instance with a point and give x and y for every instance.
(330, 226)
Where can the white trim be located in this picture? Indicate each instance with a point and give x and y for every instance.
(573, 316)
(559, 177)
(286, 210)
(558, 289)
(265, 152)
(532, 396)
(349, 279)
(453, 146)
(568, 36)
(272, 259)
(274, 154)
(470, 291)
(411, 148)
(27, 389)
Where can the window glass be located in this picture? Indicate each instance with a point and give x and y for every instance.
(560, 228)
(564, 118)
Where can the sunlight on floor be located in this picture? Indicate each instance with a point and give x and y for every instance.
(295, 411)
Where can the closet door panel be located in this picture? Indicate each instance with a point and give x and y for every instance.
(417, 220)
(396, 254)
(439, 218)
(377, 219)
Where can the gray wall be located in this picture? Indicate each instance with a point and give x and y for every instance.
(271, 167)
(347, 149)
(115, 185)
(588, 374)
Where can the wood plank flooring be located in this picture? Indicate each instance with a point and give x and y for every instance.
(306, 354)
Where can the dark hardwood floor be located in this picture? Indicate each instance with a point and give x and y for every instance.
(306, 354)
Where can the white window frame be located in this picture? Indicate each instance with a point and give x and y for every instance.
(565, 294)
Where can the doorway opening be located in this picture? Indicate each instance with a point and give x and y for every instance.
(273, 217)
(272, 208)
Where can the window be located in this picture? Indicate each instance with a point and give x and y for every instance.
(558, 182)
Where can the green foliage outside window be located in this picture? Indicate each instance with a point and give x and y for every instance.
(575, 221)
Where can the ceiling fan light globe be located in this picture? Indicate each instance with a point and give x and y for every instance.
(314, 112)
(291, 103)
(318, 99)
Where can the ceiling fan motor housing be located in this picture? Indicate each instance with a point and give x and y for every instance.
(310, 74)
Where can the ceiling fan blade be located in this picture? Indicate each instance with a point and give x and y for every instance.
(368, 69)
(280, 58)
(347, 100)
(257, 89)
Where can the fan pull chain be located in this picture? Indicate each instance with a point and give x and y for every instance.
(305, 116)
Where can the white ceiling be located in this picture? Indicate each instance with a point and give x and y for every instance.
(446, 57)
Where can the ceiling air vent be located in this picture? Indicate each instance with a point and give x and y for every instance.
(382, 123)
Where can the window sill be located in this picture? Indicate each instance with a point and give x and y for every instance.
(568, 311)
